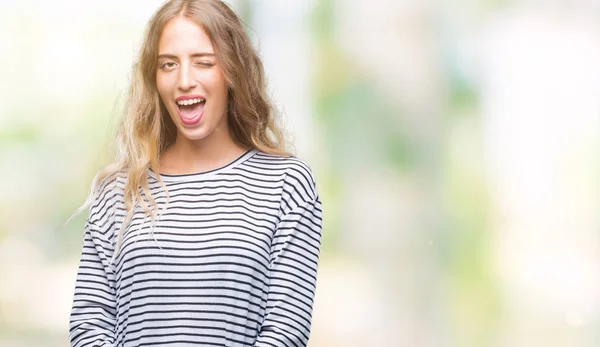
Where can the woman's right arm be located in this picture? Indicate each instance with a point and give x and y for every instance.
(93, 314)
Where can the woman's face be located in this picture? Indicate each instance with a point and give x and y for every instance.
(189, 81)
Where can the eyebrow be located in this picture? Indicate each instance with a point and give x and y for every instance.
(194, 55)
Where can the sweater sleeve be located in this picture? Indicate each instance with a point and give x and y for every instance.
(293, 267)
(93, 314)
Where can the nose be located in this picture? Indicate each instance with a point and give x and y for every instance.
(186, 80)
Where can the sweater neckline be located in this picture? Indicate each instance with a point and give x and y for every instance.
(204, 174)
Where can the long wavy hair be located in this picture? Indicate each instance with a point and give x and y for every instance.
(146, 128)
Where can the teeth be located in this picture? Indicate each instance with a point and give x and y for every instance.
(189, 101)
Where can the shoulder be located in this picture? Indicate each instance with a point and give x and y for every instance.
(106, 193)
(299, 183)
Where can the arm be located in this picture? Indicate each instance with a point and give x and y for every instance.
(293, 271)
(92, 319)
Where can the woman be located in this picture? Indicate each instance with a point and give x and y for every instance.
(203, 231)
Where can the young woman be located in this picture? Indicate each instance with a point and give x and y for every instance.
(204, 231)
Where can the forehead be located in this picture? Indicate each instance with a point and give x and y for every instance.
(181, 36)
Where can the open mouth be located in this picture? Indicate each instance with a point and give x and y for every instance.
(191, 110)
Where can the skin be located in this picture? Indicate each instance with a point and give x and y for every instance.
(186, 66)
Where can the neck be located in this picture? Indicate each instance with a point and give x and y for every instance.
(206, 154)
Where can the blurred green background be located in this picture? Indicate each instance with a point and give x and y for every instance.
(456, 146)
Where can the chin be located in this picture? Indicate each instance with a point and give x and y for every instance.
(193, 134)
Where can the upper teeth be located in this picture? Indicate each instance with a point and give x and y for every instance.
(189, 101)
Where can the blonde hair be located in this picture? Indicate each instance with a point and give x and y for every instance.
(146, 129)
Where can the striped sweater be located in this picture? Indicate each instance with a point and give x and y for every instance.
(232, 261)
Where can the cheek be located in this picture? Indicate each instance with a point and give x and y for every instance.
(162, 86)
(219, 86)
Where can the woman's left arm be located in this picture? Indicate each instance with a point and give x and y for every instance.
(293, 268)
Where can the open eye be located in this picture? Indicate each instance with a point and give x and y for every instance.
(167, 65)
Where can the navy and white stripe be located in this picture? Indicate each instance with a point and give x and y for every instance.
(231, 262)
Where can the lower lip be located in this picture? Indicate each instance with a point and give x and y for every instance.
(191, 121)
